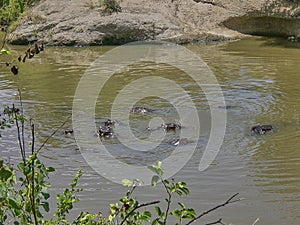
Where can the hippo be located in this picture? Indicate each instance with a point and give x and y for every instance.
(177, 141)
(105, 132)
(170, 126)
(110, 123)
(69, 131)
(261, 129)
(166, 127)
(140, 110)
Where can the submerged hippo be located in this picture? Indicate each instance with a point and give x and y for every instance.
(140, 110)
(110, 123)
(177, 141)
(171, 126)
(69, 131)
(261, 129)
(105, 132)
(166, 127)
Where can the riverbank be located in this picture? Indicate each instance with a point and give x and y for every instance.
(77, 22)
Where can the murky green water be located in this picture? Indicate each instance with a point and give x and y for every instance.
(260, 80)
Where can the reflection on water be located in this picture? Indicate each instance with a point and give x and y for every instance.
(260, 81)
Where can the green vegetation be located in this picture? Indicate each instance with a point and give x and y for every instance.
(107, 7)
(10, 10)
(24, 196)
(6, 122)
(111, 6)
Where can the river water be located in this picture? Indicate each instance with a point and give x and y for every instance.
(260, 81)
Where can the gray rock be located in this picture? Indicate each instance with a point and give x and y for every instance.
(77, 22)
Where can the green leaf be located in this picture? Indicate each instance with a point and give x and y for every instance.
(28, 207)
(144, 218)
(178, 192)
(189, 214)
(24, 168)
(46, 195)
(5, 174)
(75, 180)
(157, 168)
(158, 211)
(154, 180)
(21, 118)
(14, 203)
(181, 184)
(166, 182)
(161, 223)
(185, 191)
(111, 217)
(181, 205)
(38, 213)
(114, 208)
(18, 212)
(127, 183)
(154, 222)
(45, 206)
(147, 213)
(191, 211)
(176, 213)
(158, 164)
(5, 51)
(153, 169)
(50, 169)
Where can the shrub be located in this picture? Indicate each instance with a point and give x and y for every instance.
(10, 10)
(111, 6)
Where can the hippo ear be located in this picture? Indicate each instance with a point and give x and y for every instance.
(14, 70)
(36, 49)
(41, 47)
(24, 59)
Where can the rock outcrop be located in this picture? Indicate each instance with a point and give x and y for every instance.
(276, 18)
(82, 22)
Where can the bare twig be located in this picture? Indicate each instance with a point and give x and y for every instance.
(137, 207)
(219, 221)
(33, 176)
(216, 222)
(22, 127)
(229, 201)
(23, 153)
(20, 100)
(52, 134)
(22, 149)
(256, 221)
(169, 201)
(21, 135)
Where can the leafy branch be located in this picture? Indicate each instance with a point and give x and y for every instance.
(137, 207)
